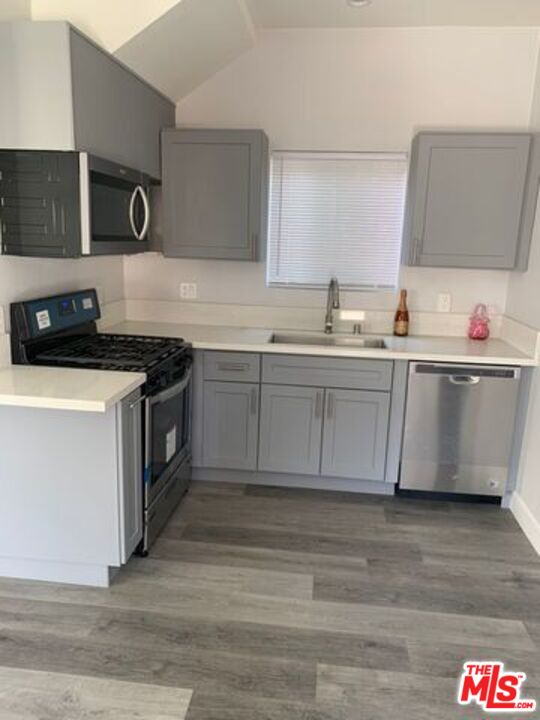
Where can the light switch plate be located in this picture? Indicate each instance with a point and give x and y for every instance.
(444, 302)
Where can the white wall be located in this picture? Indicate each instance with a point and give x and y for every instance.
(24, 278)
(111, 23)
(14, 10)
(356, 90)
(523, 304)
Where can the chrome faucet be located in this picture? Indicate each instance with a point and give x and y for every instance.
(332, 303)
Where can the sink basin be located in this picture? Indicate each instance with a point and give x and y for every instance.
(300, 338)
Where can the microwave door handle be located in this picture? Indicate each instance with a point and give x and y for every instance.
(139, 234)
(131, 212)
(146, 204)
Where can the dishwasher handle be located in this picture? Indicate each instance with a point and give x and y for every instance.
(465, 374)
(464, 379)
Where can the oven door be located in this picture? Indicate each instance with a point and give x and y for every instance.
(115, 208)
(167, 434)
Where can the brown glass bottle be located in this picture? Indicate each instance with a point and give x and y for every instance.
(401, 318)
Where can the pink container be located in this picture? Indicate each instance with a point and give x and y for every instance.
(479, 323)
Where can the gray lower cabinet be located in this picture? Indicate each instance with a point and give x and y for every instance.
(323, 429)
(355, 434)
(230, 425)
(290, 432)
(214, 193)
(467, 204)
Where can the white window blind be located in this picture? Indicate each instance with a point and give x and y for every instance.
(336, 214)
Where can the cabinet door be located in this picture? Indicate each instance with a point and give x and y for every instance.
(355, 434)
(290, 433)
(116, 115)
(131, 474)
(214, 193)
(466, 195)
(231, 422)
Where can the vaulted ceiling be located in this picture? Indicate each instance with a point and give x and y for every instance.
(178, 44)
(393, 13)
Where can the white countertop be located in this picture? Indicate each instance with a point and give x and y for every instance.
(65, 388)
(429, 349)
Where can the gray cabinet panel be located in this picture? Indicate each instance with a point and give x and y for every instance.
(238, 367)
(130, 467)
(290, 434)
(231, 423)
(465, 202)
(327, 372)
(355, 434)
(116, 114)
(214, 193)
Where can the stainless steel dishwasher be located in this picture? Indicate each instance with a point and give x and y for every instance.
(459, 425)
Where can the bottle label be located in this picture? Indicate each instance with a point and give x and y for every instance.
(401, 327)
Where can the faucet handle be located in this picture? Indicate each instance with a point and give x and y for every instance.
(357, 329)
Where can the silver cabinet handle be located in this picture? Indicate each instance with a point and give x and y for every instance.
(330, 405)
(318, 404)
(139, 190)
(254, 400)
(232, 367)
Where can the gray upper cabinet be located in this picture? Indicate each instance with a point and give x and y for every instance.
(230, 425)
(66, 93)
(215, 193)
(116, 114)
(355, 434)
(290, 434)
(466, 205)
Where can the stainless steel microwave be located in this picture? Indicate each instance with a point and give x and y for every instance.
(115, 207)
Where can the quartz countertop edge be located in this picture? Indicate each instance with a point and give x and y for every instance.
(61, 388)
(412, 348)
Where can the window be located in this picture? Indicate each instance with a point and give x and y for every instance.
(336, 214)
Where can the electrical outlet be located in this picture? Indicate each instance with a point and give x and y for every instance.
(444, 302)
(188, 291)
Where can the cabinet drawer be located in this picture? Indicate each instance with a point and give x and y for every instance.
(237, 367)
(327, 372)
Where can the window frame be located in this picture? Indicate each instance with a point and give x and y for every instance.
(339, 155)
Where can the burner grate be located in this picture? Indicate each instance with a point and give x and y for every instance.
(113, 351)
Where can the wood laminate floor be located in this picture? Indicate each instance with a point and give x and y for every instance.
(261, 603)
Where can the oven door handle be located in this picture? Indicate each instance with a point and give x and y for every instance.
(170, 392)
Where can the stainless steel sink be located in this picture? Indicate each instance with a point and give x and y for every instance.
(301, 338)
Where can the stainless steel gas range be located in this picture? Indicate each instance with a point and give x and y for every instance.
(61, 331)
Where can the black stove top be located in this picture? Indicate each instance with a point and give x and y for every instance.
(61, 330)
(112, 352)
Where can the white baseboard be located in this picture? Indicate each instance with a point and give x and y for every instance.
(528, 523)
(60, 572)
